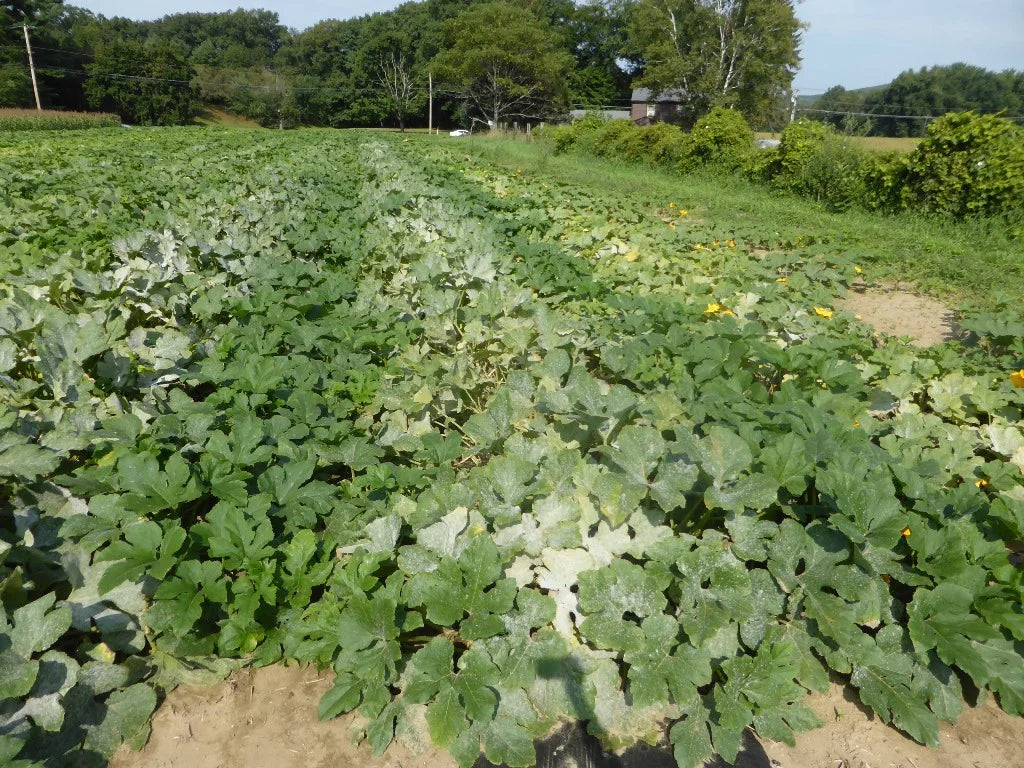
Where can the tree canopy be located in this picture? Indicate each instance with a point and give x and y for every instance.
(930, 92)
(372, 70)
(504, 63)
(731, 53)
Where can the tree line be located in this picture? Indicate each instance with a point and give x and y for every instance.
(490, 60)
(930, 91)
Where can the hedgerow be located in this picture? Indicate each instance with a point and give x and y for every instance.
(967, 166)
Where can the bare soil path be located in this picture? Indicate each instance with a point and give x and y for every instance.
(266, 718)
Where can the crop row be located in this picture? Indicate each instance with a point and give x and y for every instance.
(498, 453)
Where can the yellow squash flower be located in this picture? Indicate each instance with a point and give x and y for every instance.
(728, 312)
(632, 256)
(713, 309)
(672, 224)
(1017, 379)
(858, 270)
(715, 243)
(683, 213)
(822, 312)
(983, 483)
(782, 280)
(905, 533)
(671, 205)
(731, 243)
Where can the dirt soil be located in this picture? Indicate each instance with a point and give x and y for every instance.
(266, 718)
(262, 718)
(901, 313)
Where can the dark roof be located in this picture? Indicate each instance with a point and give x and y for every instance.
(676, 95)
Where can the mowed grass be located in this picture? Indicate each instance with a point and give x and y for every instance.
(215, 116)
(971, 264)
(872, 143)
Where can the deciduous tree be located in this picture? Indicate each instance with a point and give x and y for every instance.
(734, 53)
(504, 63)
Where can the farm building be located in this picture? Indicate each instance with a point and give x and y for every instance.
(653, 108)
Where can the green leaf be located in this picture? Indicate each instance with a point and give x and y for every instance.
(430, 670)
(940, 618)
(508, 743)
(690, 738)
(381, 729)
(343, 697)
(472, 585)
(724, 454)
(474, 682)
(664, 665)
(674, 479)
(282, 482)
(636, 451)
(365, 620)
(445, 718)
(888, 692)
(785, 461)
(714, 590)
(240, 535)
(836, 595)
(607, 594)
(146, 549)
(17, 674)
(755, 491)
(151, 490)
(27, 461)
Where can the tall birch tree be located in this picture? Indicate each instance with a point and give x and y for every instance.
(732, 53)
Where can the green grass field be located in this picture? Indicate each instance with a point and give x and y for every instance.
(220, 118)
(970, 263)
(873, 143)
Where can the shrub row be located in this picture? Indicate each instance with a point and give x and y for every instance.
(967, 165)
(52, 120)
(720, 138)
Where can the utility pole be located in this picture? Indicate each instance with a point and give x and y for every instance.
(430, 109)
(31, 67)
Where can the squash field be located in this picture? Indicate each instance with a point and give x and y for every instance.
(499, 452)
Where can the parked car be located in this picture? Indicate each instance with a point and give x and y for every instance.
(459, 132)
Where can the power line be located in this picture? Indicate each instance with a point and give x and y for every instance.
(893, 105)
(895, 117)
(250, 86)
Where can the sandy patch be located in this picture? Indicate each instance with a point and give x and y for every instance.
(901, 313)
(984, 737)
(266, 718)
(261, 718)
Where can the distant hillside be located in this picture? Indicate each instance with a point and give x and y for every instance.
(808, 100)
(904, 107)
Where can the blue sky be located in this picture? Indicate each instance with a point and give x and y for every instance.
(854, 43)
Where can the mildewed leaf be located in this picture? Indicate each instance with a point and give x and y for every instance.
(38, 625)
(664, 665)
(125, 719)
(28, 461)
